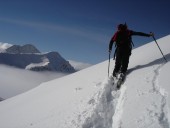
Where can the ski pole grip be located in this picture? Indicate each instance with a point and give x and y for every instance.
(152, 34)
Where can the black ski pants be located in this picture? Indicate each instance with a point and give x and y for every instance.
(122, 59)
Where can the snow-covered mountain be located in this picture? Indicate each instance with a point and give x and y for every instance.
(29, 57)
(51, 61)
(87, 99)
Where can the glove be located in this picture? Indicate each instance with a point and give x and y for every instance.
(151, 34)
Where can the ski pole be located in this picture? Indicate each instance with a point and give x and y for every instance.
(109, 64)
(159, 48)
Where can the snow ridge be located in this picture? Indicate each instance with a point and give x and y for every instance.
(110, 102)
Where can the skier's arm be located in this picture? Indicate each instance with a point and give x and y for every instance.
(141, 34)
(113, 39)
(110, 45)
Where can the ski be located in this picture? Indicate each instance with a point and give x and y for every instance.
(113, 81)
(120, 80)
(117, 81)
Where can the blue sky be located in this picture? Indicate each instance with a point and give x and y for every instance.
(80, 30)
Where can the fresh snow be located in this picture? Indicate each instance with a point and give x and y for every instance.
(87, 99)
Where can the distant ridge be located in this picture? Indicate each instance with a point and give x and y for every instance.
(17, 49)
(1, 99)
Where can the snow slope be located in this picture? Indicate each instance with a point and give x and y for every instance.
(86, 99)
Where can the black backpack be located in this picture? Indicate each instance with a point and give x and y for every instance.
(123, 40)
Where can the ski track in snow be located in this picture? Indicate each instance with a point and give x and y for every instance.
(109, 104)
(109, 107)
(163, 115)
(156, 113)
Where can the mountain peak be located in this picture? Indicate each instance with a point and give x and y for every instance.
(17, 49)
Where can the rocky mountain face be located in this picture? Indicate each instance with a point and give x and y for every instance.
(28, 48)
(1, 99)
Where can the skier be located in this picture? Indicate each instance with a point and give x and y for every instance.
(123, 42)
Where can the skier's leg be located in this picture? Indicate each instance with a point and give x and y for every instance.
(117, 63)
(125, 62)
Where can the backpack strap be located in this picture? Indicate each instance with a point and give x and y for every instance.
(132, 44)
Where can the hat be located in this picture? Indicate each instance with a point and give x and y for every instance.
(122, 27)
